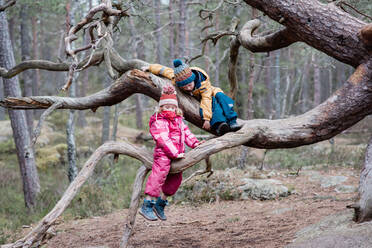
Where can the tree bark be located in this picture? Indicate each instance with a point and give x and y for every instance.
(182, 29)
(317, 85)
(2, 110)
(171, 31)
(25, 154)
(363, 210)
(277, 85)
(322, 26)
(158, 35)
(106, 116)
(26, 55)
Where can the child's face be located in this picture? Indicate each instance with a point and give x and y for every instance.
(168, 107)
(188, 87)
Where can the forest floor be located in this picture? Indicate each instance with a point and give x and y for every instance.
(250, 223)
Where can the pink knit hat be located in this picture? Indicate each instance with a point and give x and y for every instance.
(168, 96)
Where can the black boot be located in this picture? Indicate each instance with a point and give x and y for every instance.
(222, 128)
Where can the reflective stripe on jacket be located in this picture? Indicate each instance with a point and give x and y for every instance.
(205, 90)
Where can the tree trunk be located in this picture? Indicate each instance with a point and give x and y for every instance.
(70, 128)
(171, 32)
(317, 84)
(314, 23)
(363, 210)
(158, 35)
(26, 55)
(249, 99)
(106, 116)
(2, 110)
(182, 29)
(269, 87)
(305, 86)
(25, 154)
(277, 85)
(217, 54)
(70, 132)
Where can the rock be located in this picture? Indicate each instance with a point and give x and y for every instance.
(281, 210)
(326, 181)
(337, 230)
(263, 189)
(346, 189)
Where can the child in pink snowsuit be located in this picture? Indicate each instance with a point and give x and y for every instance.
(170, 134)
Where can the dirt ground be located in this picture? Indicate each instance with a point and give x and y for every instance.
(250, 223)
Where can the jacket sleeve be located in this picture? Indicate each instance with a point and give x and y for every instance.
(190, 138)
(206, 92)
(162, 71)
(160, 132)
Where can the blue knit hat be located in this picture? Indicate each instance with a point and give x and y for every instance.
(182, 73)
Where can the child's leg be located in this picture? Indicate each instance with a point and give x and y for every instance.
(217, 114)
(160, 169)
(172, 183)
(227, 105)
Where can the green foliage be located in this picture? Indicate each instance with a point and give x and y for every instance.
(7, 147)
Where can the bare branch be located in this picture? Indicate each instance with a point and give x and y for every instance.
(7, 5)
(42, 119)
(208, 169)
(233, 59)
(95, 58)
(353, 8)
(267, 43)
(321, 123)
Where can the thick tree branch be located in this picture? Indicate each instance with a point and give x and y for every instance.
(38, 231)
(346, 107)
(49, 65)
(267, 43)
(322, 26)
(7, 4)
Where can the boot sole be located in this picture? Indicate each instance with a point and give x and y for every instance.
(223, 129)
(156, 213)
(144, 216)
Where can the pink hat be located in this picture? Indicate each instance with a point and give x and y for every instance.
(168, 96)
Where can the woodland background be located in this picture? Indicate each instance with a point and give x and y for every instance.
(274, 85)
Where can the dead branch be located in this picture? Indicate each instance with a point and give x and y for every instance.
(134, 203)
(208, 169)
(38, 232)
(42, 119)
(95, 58)
(233, 59)
(267, 43)
(353, 8)
(7, 4)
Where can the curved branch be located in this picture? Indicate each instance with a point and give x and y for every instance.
(233, 59)
(267, 43)
(322, 26)
(49, 65)
(38, 232)
(7, 5)
(346, 107)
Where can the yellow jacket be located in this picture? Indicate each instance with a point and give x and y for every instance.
(206, 91)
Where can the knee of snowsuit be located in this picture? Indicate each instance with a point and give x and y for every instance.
(222, 110)
(159, 178)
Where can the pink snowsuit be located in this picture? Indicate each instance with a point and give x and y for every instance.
(170, 137)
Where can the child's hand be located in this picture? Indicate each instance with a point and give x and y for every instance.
(181, 155)
(207, 125)
(199, 143)
(145, 68)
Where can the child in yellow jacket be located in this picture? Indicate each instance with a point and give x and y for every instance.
(216, 108)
